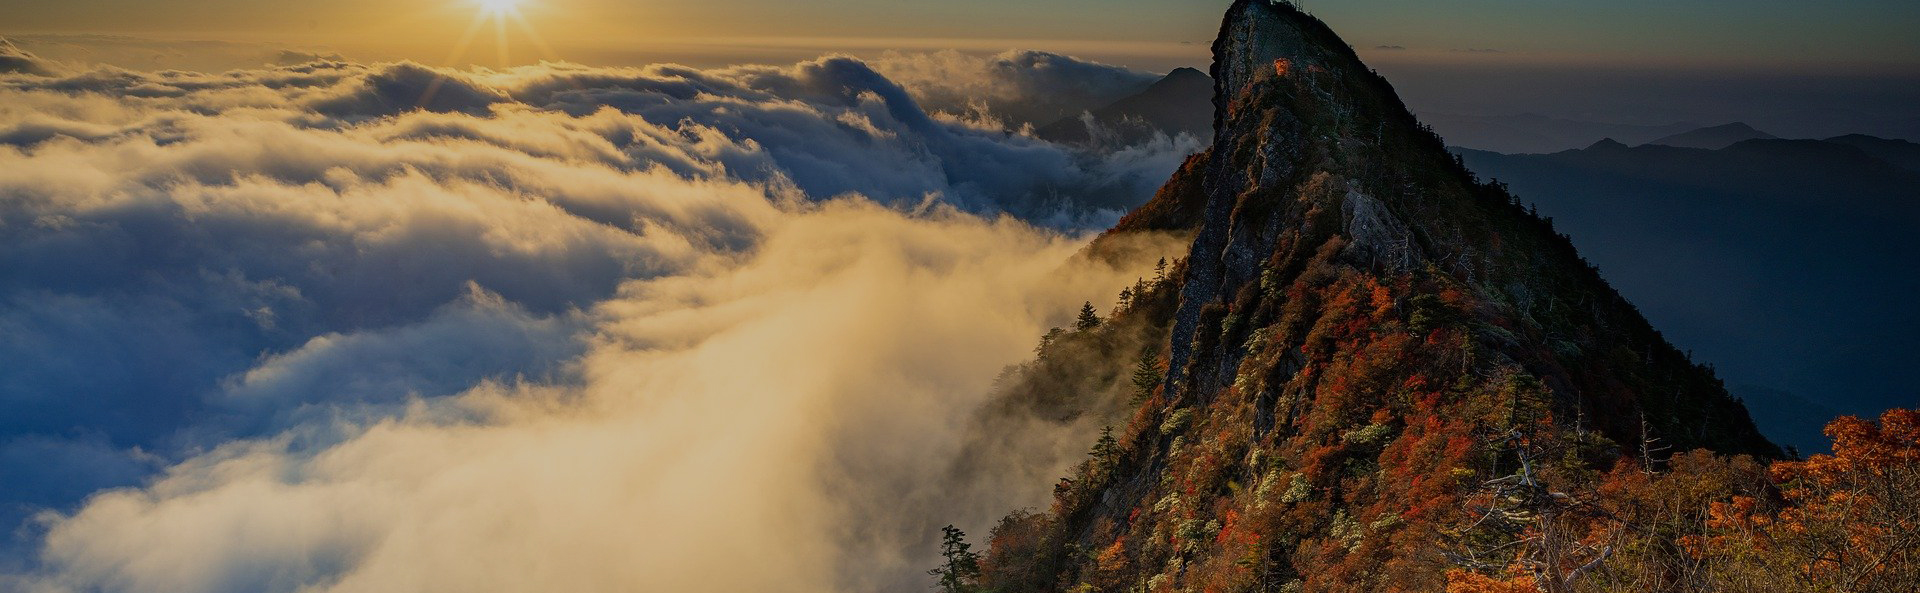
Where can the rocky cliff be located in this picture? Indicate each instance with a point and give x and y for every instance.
(1364, 334)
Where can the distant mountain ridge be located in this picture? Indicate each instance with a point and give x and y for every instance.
(1539, 134)
(1715, 137)
(1900, 153)
(1772, 258)
(1179, 103)
(1535, 133)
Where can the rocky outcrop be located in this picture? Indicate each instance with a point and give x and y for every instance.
(1311, 146)
(1362, 330)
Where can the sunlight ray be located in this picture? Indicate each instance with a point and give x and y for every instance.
(500, 39)
(459, 49)
(539, 43)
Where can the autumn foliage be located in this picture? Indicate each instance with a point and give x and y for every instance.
(1461, 581)
(1383, 375)
(1376, 474)
(1848, 521)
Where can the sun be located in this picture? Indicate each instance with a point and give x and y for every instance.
(497, 6)
(499, 15)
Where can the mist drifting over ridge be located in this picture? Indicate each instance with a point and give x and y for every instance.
(375, 327)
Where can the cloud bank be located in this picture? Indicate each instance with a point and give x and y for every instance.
(14, 60)
(348, 327)
(1015, 86)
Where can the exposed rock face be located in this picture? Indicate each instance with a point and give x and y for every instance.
(1377, 237)
(1311, 146)
(1361, 328)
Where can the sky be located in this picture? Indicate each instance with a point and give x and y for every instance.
(1796, 69)
(1863, 35)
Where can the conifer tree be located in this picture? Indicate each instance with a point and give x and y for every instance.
(1146, 374)
(1089, 318)
(961, 571)
(1106, 451)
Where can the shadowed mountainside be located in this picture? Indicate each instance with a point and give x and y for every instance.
(1770, 258)
(1176, 104)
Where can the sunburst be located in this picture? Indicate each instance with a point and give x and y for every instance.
(500, 13)
(498, 7)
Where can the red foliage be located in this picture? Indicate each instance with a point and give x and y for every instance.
(1461, 581)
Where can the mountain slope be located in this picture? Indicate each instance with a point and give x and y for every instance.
(1176, 104)
(1363, 334)
(1312, 151)
(1769, 257)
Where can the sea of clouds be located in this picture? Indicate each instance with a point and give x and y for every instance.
(332, 326)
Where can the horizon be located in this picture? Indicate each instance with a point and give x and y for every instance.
(1614, 63)
(1718, 33)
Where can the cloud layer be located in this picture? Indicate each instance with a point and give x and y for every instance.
(391, 328)
(1017, 86)
(14, 60)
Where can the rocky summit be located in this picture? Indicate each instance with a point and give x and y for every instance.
(1364, 340)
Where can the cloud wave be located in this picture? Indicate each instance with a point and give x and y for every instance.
(396, 328)
(14, 60)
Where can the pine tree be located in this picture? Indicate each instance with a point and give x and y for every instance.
(1106, 451)
(1089, 318)
(1146, 374)
(962, 568)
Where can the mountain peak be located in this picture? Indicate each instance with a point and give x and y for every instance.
(1353, 299)
(1176, 104)
(1316, 158)
(1715, 137)
(1607, 144)
(1735, 127)
(1181, 80)
(1187, 73)
(1262, 41)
